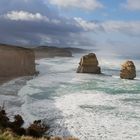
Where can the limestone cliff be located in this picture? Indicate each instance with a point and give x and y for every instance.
(16, 61)
(128, 70)
(89, 64)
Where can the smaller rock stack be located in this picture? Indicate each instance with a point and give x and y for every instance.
(128, 70)
(89, 64)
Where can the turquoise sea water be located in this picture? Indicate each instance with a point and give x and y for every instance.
(90, 107)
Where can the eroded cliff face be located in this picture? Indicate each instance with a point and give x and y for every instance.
(128, 70)
(16, 61)
(89, 64)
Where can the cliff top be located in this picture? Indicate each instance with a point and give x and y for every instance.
(10, 47)
(54, 48)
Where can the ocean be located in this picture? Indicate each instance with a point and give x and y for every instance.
(87, 106)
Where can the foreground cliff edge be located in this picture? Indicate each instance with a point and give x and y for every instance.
(14, 130)
(15, 62)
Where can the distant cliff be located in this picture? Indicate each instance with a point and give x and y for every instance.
(16, 61)
(46, 51)
(50, 51)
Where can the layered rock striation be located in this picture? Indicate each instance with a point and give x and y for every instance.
(89, 64)
(128, 70)
(16, 61)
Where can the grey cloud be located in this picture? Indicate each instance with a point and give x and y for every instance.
(131, 5)
(33, 32)
(39, 25)
(22, 30)
(131, 28)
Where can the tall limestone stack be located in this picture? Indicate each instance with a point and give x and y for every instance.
(16, 61)
(89, 64)
(128, 70)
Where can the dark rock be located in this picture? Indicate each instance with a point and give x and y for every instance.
(4, 120)
(17, 123)
(37, 129)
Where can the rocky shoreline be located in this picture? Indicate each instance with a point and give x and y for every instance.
(17, 61)
(88, 64)
(13, 78)
(15, 130)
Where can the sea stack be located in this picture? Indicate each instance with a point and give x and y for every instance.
(128, 70)
(89, 64)
(16, 61)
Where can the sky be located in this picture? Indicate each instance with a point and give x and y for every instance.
(109, 25)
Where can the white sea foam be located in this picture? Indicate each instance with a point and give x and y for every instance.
(101, 107)
(8, 95)
(88, 115)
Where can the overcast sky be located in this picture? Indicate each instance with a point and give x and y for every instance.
(101, 24)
